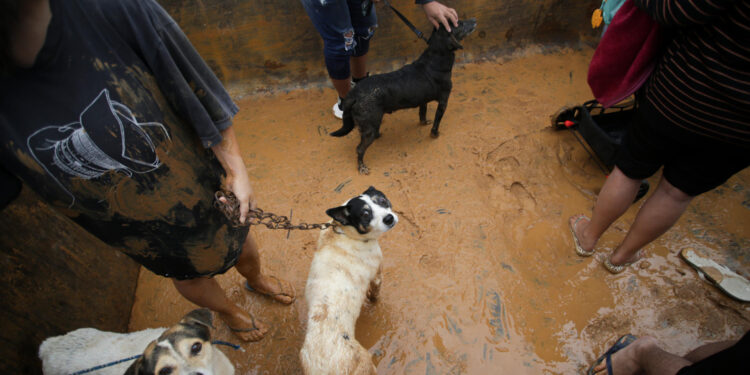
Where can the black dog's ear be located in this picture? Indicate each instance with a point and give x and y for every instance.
(340, 214)
(199, 316)
(370, 191)
(453, 42)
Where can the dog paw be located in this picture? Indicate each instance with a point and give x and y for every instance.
(434, 134)
(363, 169)
(425, 122)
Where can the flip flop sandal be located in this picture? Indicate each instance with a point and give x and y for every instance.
(622, 342)
(579, 250)
(720, 276)
(615, 269)
(292, 295)
(244, 330)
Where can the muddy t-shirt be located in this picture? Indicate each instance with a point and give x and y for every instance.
(112, 126)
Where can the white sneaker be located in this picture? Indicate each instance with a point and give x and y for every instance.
(337, 109)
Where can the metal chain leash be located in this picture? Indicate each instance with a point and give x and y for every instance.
(231, 209)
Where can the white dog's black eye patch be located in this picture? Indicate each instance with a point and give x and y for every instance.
(377, 197)
(355, 213)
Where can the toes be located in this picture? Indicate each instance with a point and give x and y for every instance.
(246, 327)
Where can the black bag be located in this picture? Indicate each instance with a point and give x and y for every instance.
(601, 129)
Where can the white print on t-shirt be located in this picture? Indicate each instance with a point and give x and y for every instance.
(107, 137)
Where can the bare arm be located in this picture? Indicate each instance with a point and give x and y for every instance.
(228, 153)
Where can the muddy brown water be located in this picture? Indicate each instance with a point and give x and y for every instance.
(480, 275)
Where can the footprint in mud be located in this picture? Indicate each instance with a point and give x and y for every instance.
(522, 195)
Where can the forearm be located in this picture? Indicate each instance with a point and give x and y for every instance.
(228, 153)
(684, 12)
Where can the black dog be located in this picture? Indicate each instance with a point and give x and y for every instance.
(414, 85)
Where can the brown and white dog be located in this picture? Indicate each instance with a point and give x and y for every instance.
(345, 269)
(183, 349)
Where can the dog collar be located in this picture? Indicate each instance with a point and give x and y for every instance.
(336, 229)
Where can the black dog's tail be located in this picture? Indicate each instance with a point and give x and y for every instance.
(346, 106)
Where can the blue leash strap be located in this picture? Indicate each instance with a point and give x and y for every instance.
(106, 365)
(95, 368)
(229, 344)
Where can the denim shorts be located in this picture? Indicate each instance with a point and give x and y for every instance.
(346, 27)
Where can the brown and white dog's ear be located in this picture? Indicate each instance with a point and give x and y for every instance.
(199, 316)
(135, 367)
(339, 214)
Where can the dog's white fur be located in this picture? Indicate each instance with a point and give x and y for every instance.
(85, 348)
(345, 269)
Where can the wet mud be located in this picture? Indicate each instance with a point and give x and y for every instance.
(480, 275)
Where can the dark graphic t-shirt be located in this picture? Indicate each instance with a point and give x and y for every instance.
(112, 126)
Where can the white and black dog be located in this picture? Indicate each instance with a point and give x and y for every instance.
(345, 270)
(182, 349)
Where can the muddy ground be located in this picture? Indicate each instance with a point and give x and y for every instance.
(480, 275)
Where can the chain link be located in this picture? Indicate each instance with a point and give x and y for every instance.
(231, 209)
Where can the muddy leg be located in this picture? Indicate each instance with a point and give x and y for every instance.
(248, 265)
(365, 142)
(374, 290)
(423, 115)
(442, 105)
(206, 292)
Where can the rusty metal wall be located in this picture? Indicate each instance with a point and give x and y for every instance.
(262, 43)
(55, 278)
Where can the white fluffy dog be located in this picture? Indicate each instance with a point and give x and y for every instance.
(182, 349)
(346, 269)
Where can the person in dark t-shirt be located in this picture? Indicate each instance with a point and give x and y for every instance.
(109, 113)
(693, 119)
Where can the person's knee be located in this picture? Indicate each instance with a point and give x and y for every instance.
(673, 192)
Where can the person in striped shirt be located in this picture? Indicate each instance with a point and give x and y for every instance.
(693, 118)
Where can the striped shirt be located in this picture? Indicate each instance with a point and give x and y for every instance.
(702, 81)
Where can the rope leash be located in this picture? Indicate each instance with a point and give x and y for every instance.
(99, 367)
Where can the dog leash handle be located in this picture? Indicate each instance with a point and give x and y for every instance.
(406, 21)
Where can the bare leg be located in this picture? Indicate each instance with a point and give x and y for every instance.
(359, 70)
(359, 66)
(248, 265)
(206, 292)
(342, 86)
(616, 196)
(656, 216)
(644, 356)
(707, 350)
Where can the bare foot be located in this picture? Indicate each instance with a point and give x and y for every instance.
(579, 223)
(620, 257)
(245, 326)
(271, 286)
(625, 360)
